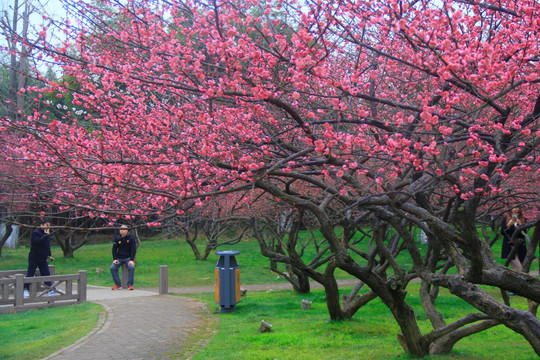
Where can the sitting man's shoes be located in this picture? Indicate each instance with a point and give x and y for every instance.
(26, 293)
(52, 293)
(116, 287)
(131, 288)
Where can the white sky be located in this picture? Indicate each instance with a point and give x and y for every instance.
(52, 7)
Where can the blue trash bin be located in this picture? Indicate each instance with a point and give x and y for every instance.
(227, 281)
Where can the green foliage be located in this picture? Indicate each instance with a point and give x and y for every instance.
(36, 334)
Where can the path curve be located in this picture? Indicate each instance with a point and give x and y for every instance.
(147, 327)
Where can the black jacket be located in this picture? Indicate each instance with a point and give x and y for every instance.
(40, 245)
(124, 247)
(507, 233)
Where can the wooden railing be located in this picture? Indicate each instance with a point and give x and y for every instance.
(68, 289)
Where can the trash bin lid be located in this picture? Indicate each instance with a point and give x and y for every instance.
(227, 252)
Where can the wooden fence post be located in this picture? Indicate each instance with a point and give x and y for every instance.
(163, 280)
(19, 288)
(125, 271)
(81, 286)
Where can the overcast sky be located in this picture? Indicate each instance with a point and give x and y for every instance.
(52, 7)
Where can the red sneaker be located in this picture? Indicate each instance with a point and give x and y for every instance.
(116, 287)
(131, 288)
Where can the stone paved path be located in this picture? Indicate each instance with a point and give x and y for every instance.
(148, 327)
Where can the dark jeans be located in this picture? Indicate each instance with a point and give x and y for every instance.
(43, 266)
(114, 272)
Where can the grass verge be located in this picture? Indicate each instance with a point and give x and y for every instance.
(38, 333)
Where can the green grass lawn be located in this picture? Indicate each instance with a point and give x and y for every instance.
(183, 268)
(299, 334)
(38, 333)
(296, 333)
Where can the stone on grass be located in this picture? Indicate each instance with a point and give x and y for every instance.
(265, 327)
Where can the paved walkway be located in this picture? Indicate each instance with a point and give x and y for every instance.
(141, 324)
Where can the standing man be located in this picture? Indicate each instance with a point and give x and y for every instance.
(123, 251)
(40, 254)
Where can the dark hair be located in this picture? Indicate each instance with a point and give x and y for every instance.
(44, 220)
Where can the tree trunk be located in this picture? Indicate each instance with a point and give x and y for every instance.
(194, 248)
(68, 248)
(531, 248)
(296, 277)
(191, 241)
(13, 75)
(19, 54)
(395, 301)
(301, 283)
(351, 306)
(405, 317)
(522, 322)
(331, 290)
(67, 242)
(532, 307)
(332, 301)
(433, 315)
(446, 343)
(9, 230)
(207, 250)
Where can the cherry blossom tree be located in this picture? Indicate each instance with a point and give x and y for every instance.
(392, 115)
(221, 222)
